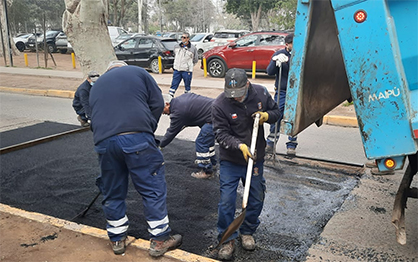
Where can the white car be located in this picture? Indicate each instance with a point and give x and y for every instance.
(226, 36)
(202, 42)
(20, 41)
(115, 31)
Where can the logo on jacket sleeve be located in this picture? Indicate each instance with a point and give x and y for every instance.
(234, 116)
(260, 106)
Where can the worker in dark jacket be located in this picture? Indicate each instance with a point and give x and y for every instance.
(81, 99)
(126, 105)
(280, 61)
(193, 110)
(232, 116)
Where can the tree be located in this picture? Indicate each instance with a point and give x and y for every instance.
(284, 14)
(250, 9)
(5, 39)
(85, 24)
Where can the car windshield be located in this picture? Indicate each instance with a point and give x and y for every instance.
(197, 37)
(169, 43)
(51, 33)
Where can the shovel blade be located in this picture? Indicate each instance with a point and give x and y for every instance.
(232, 227)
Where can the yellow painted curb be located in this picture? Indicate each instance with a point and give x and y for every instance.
(340, 121)
(96, 232)
(39, 92)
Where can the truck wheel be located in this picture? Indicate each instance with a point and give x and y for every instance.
(154, 66)
(63, 51)
(200, 53)
(20, 46)
(216, 68)
(51, 48)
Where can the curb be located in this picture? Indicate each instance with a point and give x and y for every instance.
(98, 233)
(332, 120)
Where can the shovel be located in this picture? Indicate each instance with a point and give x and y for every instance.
(238, 221)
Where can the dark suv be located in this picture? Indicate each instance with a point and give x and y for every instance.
(241, 53)
(50, 41)
(144, 51)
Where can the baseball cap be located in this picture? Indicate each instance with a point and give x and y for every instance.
(289, 38)
(93, 75)
(235, 83)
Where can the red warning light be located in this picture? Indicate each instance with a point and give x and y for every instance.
(360, 16)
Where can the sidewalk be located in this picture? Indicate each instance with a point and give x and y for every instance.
(340, 116)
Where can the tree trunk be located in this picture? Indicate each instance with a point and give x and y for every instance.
(85, 24)
(3, 40)
(255, 19)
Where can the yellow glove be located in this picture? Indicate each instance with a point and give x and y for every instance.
(245, 151)
(264, 116)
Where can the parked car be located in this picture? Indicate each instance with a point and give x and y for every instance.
(226, 36)
(174, 35)
(115, 31)
(21, 40)
(123, 37)
(144, 51)
(50, 41)
(202, 42)
(62, 44)
(241, 53)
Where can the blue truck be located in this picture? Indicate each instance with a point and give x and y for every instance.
(365, 51)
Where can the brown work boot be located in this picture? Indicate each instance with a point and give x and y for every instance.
(375, 171)
(202, 175)
(83, 122)
(227, 250)
(248, 242)
(291, 151)
(158, 248)
(119, 247)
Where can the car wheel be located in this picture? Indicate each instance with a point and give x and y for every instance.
(63, 51)
(200, 53)
(154, 66)
(51, 48)
(20, 46)
(216, 68)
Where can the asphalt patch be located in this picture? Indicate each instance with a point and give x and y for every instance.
(24, 134)
(57, 178)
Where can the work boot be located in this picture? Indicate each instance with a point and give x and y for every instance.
(269, 149)
(158, 248)
(291, 151)
(227, 250)
(375, 171)
(371, 164)
(83, 122)
(119, 247)
(248, 242)
(202, 174)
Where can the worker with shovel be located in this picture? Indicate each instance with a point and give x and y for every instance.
(232, 116)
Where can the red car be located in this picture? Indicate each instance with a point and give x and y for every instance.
(241, 53)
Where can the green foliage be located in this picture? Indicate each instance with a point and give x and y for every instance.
(24, 15)
(244, 8)
(284, 14)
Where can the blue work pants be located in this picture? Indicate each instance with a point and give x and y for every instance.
(135, 155)
(205, 148)
(230, 175)
(177, 77)
(292, 143)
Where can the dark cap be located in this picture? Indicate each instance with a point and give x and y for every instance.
(235, 83)
(93, 75)
(289, 38)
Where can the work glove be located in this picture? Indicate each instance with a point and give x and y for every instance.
(280, 58)
(264, 116)
(245, 151)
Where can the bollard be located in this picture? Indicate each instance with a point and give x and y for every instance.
(160, 65)
(26, 59)
(254, 67)
(73, 58)
(205, 69)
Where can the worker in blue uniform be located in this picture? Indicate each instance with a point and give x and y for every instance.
(232, 116)
(190, 110)
(126, 105)
(280, 62)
